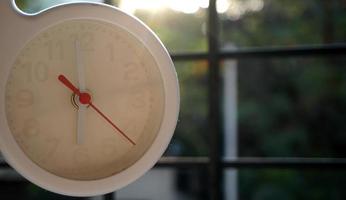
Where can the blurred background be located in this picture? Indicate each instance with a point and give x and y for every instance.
(272, 107)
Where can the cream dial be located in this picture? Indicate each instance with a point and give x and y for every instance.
(123, 80)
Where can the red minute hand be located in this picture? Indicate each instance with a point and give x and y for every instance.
(84, 98)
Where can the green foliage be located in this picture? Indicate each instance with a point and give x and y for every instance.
(191, 133)
(179, 32)
(291, 107)
(278, 23)
(22, 4)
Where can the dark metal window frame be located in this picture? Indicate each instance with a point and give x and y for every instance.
(215, 163)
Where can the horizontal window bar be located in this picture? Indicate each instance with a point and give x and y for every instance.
(312, 50)
(189, 56)
(237, 163)
(297, 163)
(250, 162)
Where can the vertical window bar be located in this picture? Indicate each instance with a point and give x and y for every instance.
(215, 153)
(110, 196)
(109, 2)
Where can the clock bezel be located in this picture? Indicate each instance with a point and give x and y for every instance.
(32, 24)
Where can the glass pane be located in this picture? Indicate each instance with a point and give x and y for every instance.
(288, 106)
(179, 24)
(190, 138)
(251, 23)
(168, 184)
(272, 184)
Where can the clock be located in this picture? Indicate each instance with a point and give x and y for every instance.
(89, 97)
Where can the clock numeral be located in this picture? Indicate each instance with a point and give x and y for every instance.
(86, 40)
(139, 100)
(109, 147)
(31, 128)
(132, 129)
(24, 98)
(55, 50)
(132, 72)
(37, 72)
(81, 156)
(110, 49)
(53, 145)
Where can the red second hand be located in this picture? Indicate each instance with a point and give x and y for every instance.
(84, 98)
(109, 121)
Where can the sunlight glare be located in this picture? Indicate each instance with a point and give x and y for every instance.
(203, 3)
(184, 6)
(132, 5)
(238, 8)
(222, 6)
(255, 5)
(189, 7)
(234, 8)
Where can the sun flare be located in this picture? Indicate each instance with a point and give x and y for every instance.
(232, 8)
(188, 7)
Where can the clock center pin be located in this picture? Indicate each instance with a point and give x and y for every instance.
(83, 100)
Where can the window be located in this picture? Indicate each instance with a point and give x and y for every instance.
(263, 91)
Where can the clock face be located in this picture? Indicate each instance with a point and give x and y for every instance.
(74, 139)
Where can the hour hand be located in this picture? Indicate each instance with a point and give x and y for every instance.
(81, 124)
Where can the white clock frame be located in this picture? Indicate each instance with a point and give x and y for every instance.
(17, 28)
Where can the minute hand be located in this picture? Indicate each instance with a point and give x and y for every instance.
(81, 85)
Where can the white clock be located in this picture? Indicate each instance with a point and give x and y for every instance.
(89, 97)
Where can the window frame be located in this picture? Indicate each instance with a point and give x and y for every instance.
(215, 163)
